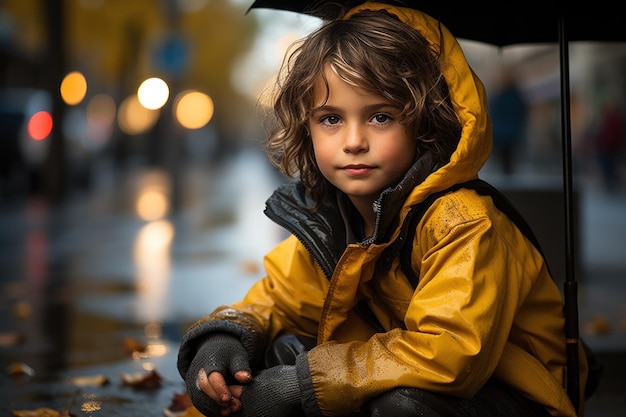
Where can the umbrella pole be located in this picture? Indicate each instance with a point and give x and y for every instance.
(570, 284)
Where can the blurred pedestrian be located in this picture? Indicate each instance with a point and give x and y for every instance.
(508, 111)
(610, 142)
(375, 111)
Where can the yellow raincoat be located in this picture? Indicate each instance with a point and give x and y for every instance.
(485, 306)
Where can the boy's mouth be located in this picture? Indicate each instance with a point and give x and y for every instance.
(357, 169)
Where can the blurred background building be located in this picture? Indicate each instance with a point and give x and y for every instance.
(201, 66)
(148, 79)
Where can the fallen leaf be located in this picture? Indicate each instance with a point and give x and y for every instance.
(94, 381)
(180, 402)
(142, 380)
(9, 339)
(46, 412)
(169, 413)
(192, 412)
(133, 345)
(188, 412)
(40, 412)
(20, 369)
(181, 406)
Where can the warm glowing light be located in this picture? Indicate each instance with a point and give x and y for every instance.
(152, 195)
(133, 118)
(152, 204)
(153, 268)
(193, 109)
(152, 351)
(153, 93)
(40, 125)
(73, 88)
(154, 239)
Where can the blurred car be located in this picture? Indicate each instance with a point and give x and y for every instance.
(25, 130)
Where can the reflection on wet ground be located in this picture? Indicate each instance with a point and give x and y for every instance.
(63, 342)
(82, 280)
(104, 286)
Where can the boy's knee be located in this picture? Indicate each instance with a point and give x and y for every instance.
(493, 400)
(408, 402)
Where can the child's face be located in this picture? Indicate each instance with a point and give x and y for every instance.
(359, 145)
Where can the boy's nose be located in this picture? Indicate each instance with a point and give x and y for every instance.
(355, 139)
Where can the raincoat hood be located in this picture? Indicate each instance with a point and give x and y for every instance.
(468, 97)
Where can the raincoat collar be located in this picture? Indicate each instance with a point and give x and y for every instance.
(326, 232)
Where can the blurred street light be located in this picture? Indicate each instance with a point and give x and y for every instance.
(73, 88)
(153, 93)
(193, 109)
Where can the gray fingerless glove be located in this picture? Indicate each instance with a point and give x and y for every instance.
(222, 352)
(273, 392)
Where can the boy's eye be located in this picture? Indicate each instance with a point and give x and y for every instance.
(381, 118)
(329, 120)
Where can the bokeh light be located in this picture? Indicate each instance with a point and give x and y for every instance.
(153, 93)
(133, 118)
(40, 125)
(193, 109)
(152, 204)
(153, 191)
(73, 88)
(152, 258)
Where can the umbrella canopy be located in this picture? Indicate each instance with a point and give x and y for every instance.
(502, 24)
(499, 24)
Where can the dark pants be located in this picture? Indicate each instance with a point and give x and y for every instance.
(493, 400)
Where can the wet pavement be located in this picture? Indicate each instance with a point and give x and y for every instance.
(82, 285)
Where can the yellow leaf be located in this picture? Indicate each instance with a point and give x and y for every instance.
(18, 369)
(149, 379)
(193, 412)
(95, 380)
(40, 412)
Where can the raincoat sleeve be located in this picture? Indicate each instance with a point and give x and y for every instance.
(287, 300)
(476, 273)
(290, 297)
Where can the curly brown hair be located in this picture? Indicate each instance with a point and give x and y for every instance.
(376, 52)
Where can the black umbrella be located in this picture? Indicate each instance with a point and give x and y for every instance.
(502, 24)
(531, 21)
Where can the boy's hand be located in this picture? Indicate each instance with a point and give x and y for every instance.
(222, 357)
(273, 392)
(210, 385)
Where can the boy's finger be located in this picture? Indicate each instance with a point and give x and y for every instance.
(243, 377)
(218, 384)
(214, 386)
